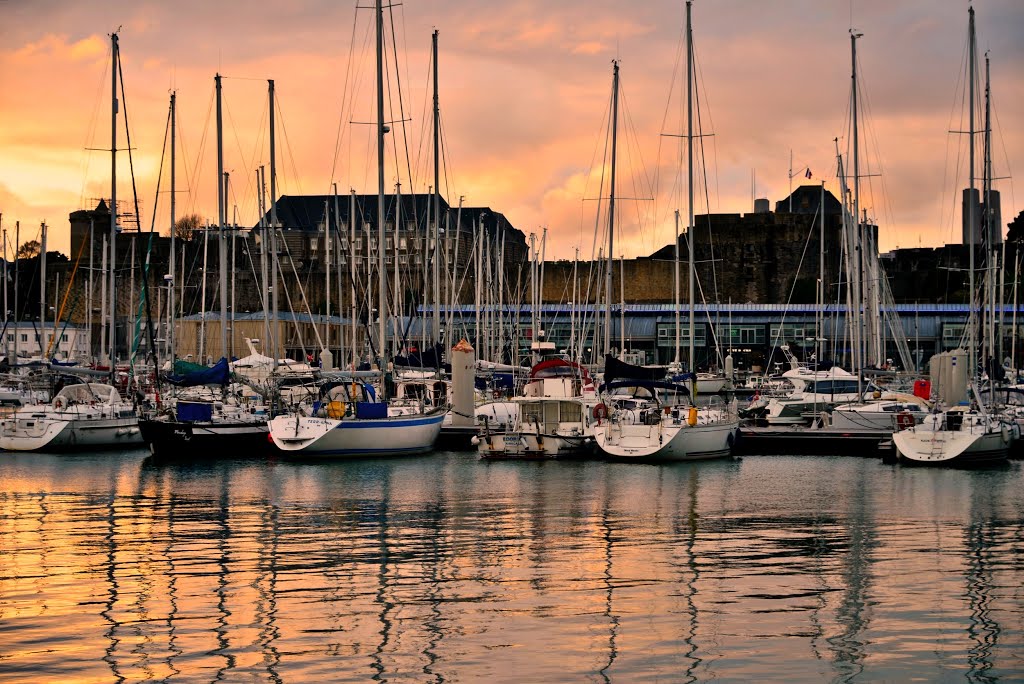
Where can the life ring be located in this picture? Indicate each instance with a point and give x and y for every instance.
(904, 420)
(600, 412)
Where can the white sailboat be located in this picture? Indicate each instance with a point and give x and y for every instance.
(966, 434)
(669, 431)
(349, 420)
(89, 415)
(81, 417)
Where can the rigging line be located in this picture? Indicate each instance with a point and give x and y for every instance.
(138, 218)
(792, 289)
(197, 168)
(136, 334)
(699, 74)
(64, 300)
(302, 297)
(250, 190)
(86, 158)
(401, 105)
(345, 97)
(1006, 156)
(288, 147)
(707, 202)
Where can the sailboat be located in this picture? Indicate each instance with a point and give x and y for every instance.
(660, 427)
(88, 415)
(349, 419)
(968, 433)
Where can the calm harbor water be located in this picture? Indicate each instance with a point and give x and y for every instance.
(114, 567)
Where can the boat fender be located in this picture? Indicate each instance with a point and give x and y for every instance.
(1006, 435)
(600, 412)
(691, 418)
(731, 439)
(904, 420)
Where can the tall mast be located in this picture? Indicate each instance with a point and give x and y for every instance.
(675, 286)
(221, 220)
(381, 236)
(42, 291)
(113, 205)
(971, 49)
(352, 274)
(171, 261)
(275, 330)
(690, 360)
(611, 213)
(861, 287)
(437, 202)
(989, 233)
(261, 182)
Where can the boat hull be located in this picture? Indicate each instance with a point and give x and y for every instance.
(922, 446)
(85, 434)
(667, 441)
(355, 438)
(527, 445)
(205, 439)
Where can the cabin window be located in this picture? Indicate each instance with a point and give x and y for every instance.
(531, 412)
(572, 412)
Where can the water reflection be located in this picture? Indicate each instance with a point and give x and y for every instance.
(123, 568)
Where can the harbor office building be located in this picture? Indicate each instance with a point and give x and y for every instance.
(752, 333)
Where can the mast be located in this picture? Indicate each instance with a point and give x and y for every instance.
(171, 261)
(114, 51)
(971, 49)
(352, 273)
(611, 213)
(381, 236)
(861, 287)
(986, 190)
(42, 290)
(437, 201)
(222, 253)
(820, 315)
(675, 287)
(327, 265)
(273, 229)
(261, 182)
(690, 360)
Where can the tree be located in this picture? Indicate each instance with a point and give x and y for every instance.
(29, 249)
(186, 226)
(1016, 232)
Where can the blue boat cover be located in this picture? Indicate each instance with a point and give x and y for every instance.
(218, 374)
(192, 411)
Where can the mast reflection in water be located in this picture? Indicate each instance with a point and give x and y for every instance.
(120, 568)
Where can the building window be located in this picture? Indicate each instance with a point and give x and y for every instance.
(24, 337)
(64, 338)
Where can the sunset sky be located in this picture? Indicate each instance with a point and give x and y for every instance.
(525, 88)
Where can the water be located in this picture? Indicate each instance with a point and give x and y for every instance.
(117, 568)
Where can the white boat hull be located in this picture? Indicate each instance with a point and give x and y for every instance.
(666, 441)
(51, 434)
(353, 437)
(496, 445)
(979, 440)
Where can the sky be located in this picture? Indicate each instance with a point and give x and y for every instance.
(525, 91)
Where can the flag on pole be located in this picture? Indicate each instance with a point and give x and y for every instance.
(808, 174)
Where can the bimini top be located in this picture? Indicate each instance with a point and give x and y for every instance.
(555, 368)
